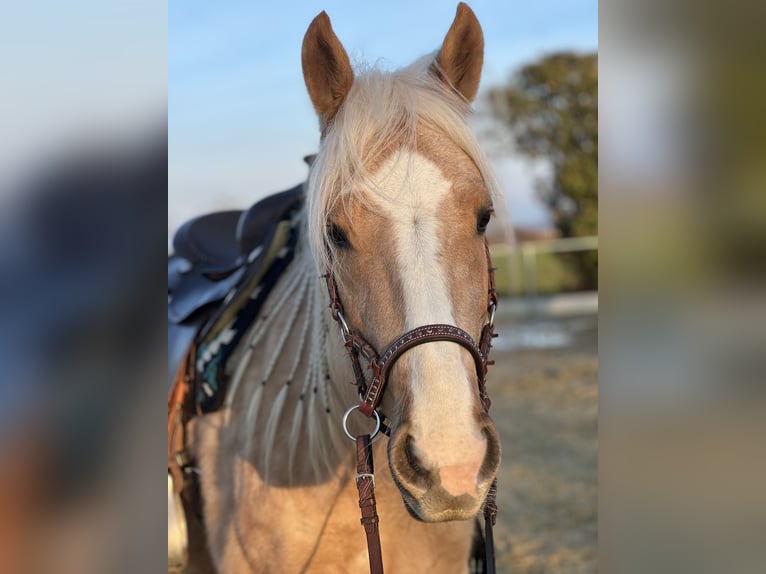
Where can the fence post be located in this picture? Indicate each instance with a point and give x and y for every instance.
(529, 257)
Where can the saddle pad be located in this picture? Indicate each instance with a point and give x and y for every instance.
(221, 339)
(200, 291)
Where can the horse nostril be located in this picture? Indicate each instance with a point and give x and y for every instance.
(408, 468)
(492, 457)
(412, 458)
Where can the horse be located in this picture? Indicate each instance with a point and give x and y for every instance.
(397, 203)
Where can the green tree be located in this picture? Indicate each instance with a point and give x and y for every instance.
(551, 108)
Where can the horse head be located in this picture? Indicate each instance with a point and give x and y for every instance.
(399, 199)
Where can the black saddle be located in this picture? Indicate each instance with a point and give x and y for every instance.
(219, 242)
(209, 241)
(215, 255)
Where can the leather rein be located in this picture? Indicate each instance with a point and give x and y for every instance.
(372, 393)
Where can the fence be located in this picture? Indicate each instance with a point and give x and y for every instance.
(517, 266)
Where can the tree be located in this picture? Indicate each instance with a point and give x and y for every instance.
(551, 108)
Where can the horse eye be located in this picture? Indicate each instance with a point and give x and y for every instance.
(483, 221)
(338, 238)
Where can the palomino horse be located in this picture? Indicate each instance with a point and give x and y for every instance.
(398, 201)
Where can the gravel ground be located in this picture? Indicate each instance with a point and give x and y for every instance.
(544, 390)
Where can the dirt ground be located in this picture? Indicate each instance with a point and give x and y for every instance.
(545, 404)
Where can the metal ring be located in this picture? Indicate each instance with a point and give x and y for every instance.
(345, 332)
(345, 423)
(491, 321)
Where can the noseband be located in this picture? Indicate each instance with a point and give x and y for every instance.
(372, 393)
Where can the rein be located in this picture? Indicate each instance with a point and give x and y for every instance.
(372, 393)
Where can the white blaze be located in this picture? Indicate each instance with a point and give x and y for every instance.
(412, 189)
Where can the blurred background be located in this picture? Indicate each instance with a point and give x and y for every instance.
(682, 460)
(83, 187)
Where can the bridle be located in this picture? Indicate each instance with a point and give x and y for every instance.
(371, 394)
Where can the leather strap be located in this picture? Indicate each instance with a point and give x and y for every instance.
(418, 336)
(490, 516)
(178, 414)
(365, 484)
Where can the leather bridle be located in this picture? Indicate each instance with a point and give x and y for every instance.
(372, 393)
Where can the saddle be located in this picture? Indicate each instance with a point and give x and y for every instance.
(217, 243)
(214, 255)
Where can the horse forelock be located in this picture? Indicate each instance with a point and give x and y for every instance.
(381, 116)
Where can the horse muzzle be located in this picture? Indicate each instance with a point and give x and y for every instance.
(440, 491)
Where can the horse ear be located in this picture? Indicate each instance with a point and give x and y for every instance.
(461, 56)
(326, 68)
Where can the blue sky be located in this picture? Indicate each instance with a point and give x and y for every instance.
(75, 73)
(239, 118)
